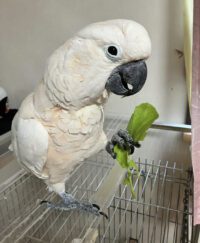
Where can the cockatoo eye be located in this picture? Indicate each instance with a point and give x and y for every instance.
(113, 52)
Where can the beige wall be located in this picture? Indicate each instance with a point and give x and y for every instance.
(31, 29)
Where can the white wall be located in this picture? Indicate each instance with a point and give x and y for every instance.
(31, 29)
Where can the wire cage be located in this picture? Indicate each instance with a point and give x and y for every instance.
(160, 211)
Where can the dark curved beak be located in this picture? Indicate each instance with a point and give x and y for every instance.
(127, 79)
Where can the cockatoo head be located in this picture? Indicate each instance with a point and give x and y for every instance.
(104, 57)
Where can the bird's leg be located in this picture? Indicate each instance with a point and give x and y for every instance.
(70, 203)
(123, 140)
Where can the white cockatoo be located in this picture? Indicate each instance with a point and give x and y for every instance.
(61, 123)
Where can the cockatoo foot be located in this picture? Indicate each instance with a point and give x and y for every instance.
(123, 140)
(70, 203)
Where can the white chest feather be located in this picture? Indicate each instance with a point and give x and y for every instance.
(74, 131)
(73, 137)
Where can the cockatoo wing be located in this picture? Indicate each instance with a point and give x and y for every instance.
(30, 143)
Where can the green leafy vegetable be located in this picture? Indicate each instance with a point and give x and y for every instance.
(141, 120)
(122, 156)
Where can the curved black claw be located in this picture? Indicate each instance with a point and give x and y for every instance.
(96, 206)
(104, 214)
(100, 212)
(110, 149)
(43, 201)
(123, 140)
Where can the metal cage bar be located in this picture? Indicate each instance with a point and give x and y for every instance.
(155, 215)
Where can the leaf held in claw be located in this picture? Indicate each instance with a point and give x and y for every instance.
(141, 120)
